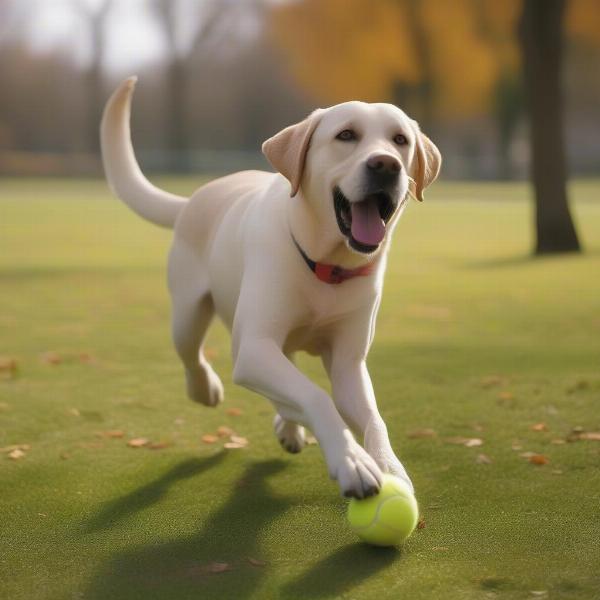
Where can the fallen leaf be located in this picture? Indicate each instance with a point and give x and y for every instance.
(516, 445)
(557, 471)
(421, 524)
(224, 431)
(210, 353)
(64, 455)
(138, 442)
(255, 562)
(238, 439)
(158, 445)
(234, 412)
(74, 412)
(8, 367)
(539, 593)
(558, 441)
(527, 455)
(179, 421)
(477, 427)
(539, 459)
(232, 445)
(113, 433)
(16, 454)
(483, 459)
(593, 436)
(86, 358)
(539, 427)
(491, 381)
(462, 441)
(311, 440)
(23, 447)
(209, 438)
(51, 358)
(422, 433)
(506, 396)
(218, 567)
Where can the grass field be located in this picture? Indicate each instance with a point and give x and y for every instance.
(475, 340)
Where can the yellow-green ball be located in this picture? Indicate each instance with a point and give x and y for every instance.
(388, 518)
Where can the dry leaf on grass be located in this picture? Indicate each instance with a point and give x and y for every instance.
(238, 439)
(16, 454)
(23, 447)
(579, 434)
(505, 396)
(158, 445)
(422, 433)
(209, 438)
(463, 441)
(483, 459)
(539, 459)
(86, 358)
(51, 358)
(224, 431)
(218, 567)
(539, 427)
(311, 440)
(138, 442)
(255, 562)
(234, 412)
(233, 445)
(112, 433)
(8, 367)
(491, 381)
(210, 354)
(421, 524)
(558, 441)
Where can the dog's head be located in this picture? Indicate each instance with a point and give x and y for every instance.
(355, 164)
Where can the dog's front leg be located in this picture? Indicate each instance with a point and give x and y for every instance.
(261, 366)
(355, 399)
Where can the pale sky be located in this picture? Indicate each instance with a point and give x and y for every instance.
(133, 36)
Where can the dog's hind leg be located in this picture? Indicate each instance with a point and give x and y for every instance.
(289, 432)
(193, 312)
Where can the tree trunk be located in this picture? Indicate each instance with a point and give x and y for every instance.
(541, 46)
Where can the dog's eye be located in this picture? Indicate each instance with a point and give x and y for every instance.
(400, 140)
(346, 136)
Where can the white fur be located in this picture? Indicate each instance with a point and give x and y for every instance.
(233, 255)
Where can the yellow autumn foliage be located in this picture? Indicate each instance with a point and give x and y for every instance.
(339, 50)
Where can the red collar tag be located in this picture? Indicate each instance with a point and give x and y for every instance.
(335, 274)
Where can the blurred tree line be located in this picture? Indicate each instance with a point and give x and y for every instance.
(253, 66)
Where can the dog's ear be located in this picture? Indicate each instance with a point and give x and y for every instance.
(287, 150)
(427, 161)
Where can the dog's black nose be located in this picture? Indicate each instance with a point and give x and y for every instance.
(384, 166)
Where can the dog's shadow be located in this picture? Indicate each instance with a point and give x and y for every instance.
(229, 540)
(191, 566)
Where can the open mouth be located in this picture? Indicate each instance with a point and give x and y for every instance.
(363, 223)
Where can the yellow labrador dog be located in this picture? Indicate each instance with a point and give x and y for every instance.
(290, 261)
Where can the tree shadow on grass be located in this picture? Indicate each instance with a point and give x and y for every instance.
(341, 571)
(145, 496)
(212, 562)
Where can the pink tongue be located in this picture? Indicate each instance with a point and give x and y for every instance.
(367, 226)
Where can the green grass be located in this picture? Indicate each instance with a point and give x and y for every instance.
(88, 517)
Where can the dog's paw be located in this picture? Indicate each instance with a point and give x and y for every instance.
(389, 463)
(204, 386)
(357, 474)
(291, 436)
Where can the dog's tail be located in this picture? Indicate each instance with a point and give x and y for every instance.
(122, 170)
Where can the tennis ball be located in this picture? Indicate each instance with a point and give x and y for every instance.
(388, 518)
